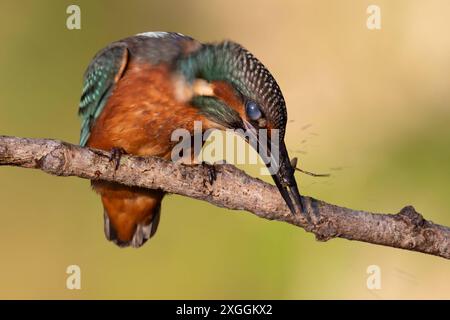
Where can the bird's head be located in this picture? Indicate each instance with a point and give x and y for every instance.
(233, 89)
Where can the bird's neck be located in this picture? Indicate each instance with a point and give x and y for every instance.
(213, 62)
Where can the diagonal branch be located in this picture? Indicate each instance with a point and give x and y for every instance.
(233, 189)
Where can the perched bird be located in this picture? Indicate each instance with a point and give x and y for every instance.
(138, 90)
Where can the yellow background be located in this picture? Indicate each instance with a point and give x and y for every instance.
(371, 107)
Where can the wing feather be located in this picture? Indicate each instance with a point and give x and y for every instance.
(105, 70)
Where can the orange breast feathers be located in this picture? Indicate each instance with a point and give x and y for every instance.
(141, 113)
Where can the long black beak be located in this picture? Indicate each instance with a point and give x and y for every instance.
(277, 160)
(285, 181)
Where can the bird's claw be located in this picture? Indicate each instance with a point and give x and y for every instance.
(116, 155)
(212, 172)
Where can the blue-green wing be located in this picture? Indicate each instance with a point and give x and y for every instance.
(103, 72)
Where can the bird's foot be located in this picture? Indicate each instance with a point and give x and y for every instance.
(212, 172)
(116, 155)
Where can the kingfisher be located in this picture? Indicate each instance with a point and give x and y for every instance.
(138, 90)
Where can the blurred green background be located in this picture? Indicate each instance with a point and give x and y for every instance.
(371, 107)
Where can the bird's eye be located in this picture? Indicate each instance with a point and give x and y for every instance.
(252, 110)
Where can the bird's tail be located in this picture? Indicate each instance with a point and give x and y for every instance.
(131, 215)
(141, 234)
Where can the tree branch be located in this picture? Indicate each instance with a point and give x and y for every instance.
(233, 189)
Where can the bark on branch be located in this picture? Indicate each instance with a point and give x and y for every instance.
(233, 189)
